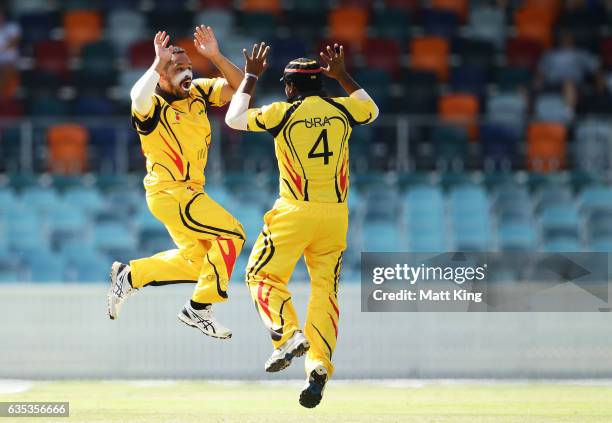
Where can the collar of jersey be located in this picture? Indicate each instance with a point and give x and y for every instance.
(302, 96)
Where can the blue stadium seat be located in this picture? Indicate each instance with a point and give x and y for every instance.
(39, 199)
(382, 204)
(552, 108)
(91, 266)
(516, 237)
(593, 144)
(562, 245)
(499, 145)
(552, 195)
(9, 268)
(426, 242)
(25, 230)
(467, 200)
(66, 223)
(46, 267)
(124, 28)
(7, 197)
(508, 108)
(595, 197)
(471, 236)
(381, 236)
(488, 23)
(470, 79)
(87, 199)
(599, 224)
(560, 221)
(423, 199)
(441, 23)
(39, 26)
(114, 237)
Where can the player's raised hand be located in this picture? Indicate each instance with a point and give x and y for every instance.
(163, 51)
(205, 41)
(334, 61)
(257, 62)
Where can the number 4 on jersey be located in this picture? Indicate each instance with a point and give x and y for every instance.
(326, 154)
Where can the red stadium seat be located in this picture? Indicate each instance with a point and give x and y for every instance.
(67, 148)
(348, 51)
(605, 52)
(381, 53)
(546, 146)
(523, 52)
(411, 6)
(216, 4)
(141, 54)
(51, 57)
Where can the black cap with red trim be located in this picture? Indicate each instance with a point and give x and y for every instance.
(305, 73)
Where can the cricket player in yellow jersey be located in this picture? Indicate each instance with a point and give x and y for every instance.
(311, 138)
(169, 111)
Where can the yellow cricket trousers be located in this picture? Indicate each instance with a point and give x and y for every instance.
(291, 229)
(208, 240)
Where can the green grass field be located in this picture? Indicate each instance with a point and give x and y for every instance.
(184, 402)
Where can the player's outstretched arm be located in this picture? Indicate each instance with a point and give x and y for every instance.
(143, 90)
(256, 64)
(336, 69)
(206, 43)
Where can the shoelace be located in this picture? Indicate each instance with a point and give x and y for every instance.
(207, 323)
(119, 286)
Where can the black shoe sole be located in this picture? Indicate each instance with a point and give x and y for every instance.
(283, 363)
(312, 395)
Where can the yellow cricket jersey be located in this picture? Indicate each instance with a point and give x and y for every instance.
(311, 143)
(175, 137)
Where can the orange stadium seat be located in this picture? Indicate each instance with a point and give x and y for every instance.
(9, 83)
(552, 6)
(430, 54)
(349, 25)
(200, 64)
(460, 109)
(459, 7)
(67, 148)
(546, 146)
(271, 6)
(535, 23)
(82, 27)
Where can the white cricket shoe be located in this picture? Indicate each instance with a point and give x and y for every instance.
(296, 346)
(312, 393)
(203, 320)
(120, 288)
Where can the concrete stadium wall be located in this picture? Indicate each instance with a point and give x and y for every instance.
(61, 331)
